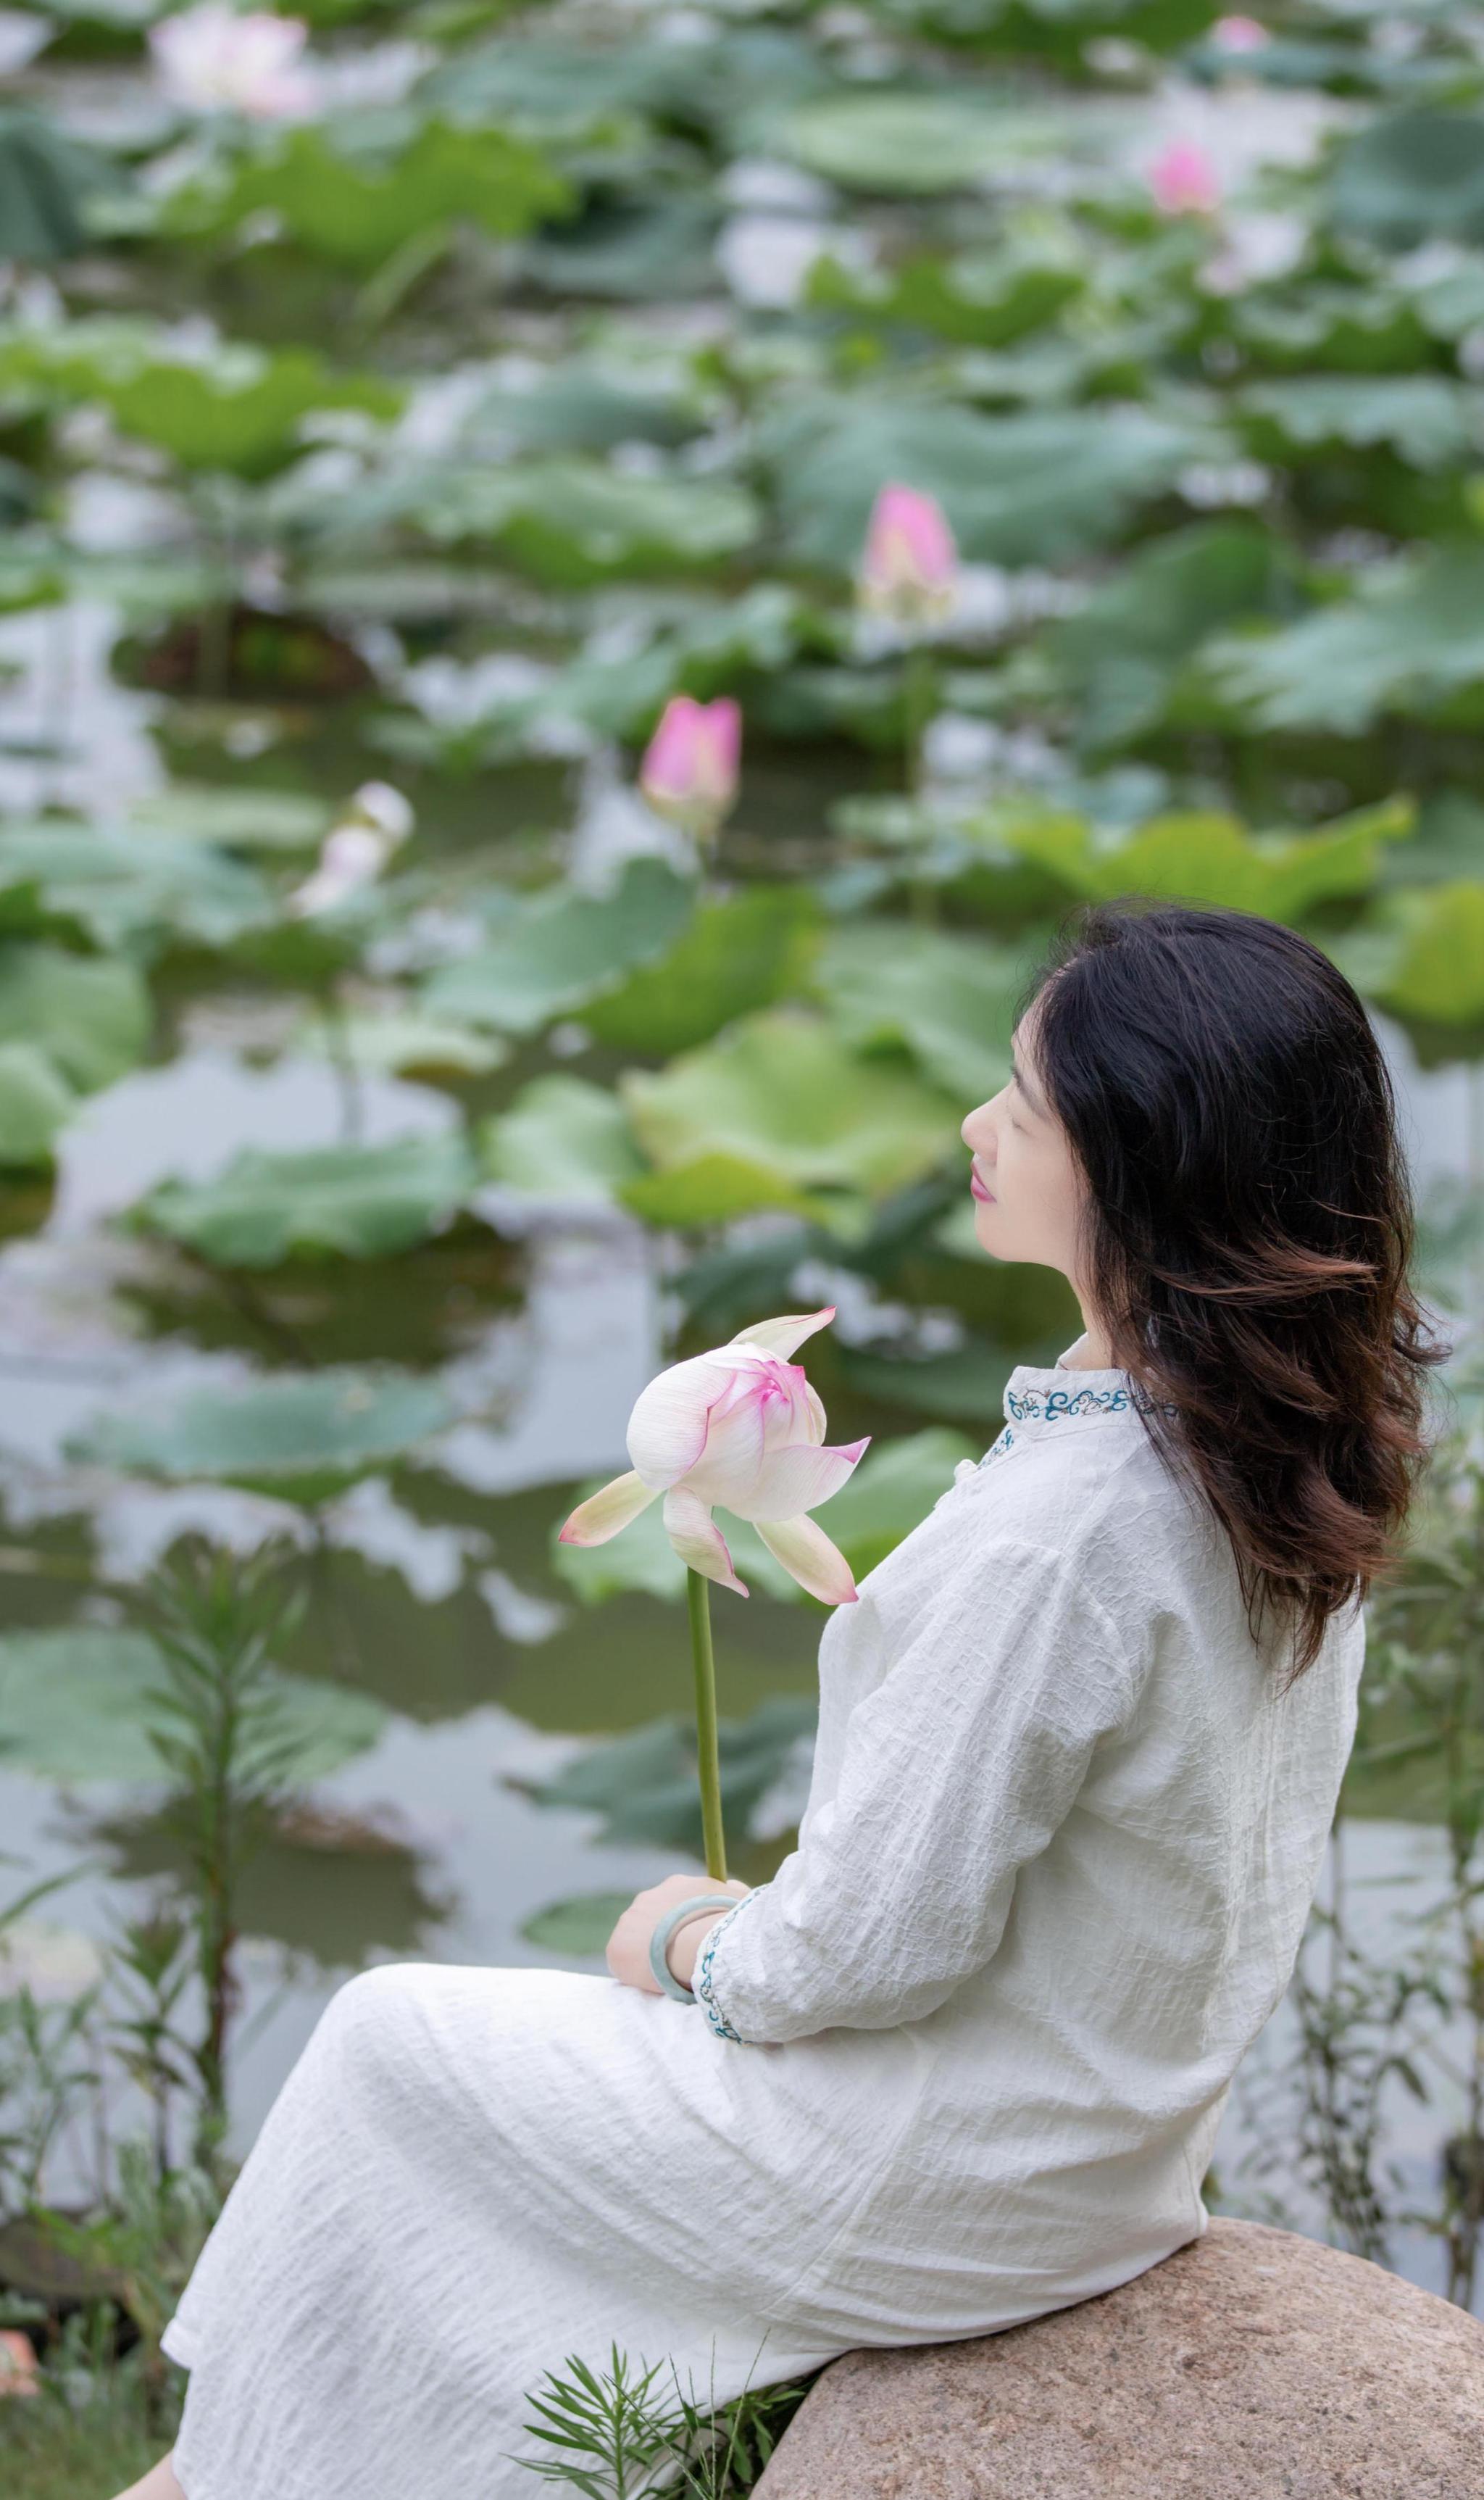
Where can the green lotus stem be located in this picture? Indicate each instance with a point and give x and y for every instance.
(698, 1600)
(919, 702)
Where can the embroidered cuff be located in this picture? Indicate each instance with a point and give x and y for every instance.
(701, 1983)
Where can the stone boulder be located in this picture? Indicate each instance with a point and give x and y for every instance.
(1250, 2365)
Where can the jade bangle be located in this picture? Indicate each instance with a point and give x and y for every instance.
(666, 1927)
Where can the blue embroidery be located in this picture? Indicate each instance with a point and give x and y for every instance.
(1006, 1442)
(701, 1981)
(1054, 1404)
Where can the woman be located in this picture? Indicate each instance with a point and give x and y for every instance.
(964, 2059)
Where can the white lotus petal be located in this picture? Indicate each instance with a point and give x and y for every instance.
(817, 1427)
(800, 1479)
(730, 1467)
(781, 1335)
(698, 1539)
(607, 1511)
(810, 1558)
(667, 1429)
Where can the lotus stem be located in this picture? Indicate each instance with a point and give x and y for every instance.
(708, 1759)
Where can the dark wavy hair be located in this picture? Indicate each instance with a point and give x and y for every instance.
(1249, 1229)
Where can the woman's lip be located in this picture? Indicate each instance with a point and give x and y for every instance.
(977, 1189)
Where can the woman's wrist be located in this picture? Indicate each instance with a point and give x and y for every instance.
(684, 1950)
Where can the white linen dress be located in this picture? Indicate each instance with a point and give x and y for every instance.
(961, 2060)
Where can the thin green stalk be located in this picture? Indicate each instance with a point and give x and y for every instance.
(698, 1600)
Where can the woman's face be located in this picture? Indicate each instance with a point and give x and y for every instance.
(1033, 1187)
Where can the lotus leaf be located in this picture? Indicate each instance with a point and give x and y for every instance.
(983, 299)
(1427, 420)
(895, 1486)
(355, 209)
(658, 246)
(1410, 641)
(303, 1436)
(780, 1091)
(1023, 489)
(234, 407)
(579, 1926)
(76, 1703)
(45, 180)
(644, 1784)
(733, 956)
(360, 1202)
(572, 521)
(561, 949)
(915, 145)
(398, 1044)
(128, 889)
(1424, 960)
(714, 1188)
(90, 1014)
(1211, 859)
(237, 819)
(562, 1137)
(948, 1000)
(1412, 177)
(35, 1106)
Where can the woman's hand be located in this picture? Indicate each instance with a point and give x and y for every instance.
(629, 1944)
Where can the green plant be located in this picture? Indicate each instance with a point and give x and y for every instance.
(623, 2439)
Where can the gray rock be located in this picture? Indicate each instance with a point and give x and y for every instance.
(1250, 2365)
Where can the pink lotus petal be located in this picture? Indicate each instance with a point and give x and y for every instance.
(1240, 35)
(1184, 181)
(607, 1511)
(698, 1539)
(910, 563)
(801, 1478)
(690, 767)
(670, 1420)
(783, 1336)
(809, 1557)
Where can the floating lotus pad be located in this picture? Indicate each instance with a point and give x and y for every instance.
(76, 1704)
(304, 1436)
(361, 1201)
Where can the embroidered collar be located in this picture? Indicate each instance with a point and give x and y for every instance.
(1047, 1397)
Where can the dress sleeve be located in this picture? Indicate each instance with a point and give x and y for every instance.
(955, 1770)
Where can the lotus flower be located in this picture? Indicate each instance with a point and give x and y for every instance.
(689, 767)
(1184, 181)
(355, 850)
(1239, 34)
(219, 59)
(909, 569)
(742, 1427)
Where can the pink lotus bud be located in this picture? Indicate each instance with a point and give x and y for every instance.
(910, 567)
(741, 1427)
(1239, 34)
(1184, 181)
(18, 2372)
(689, 767)
(220, 59)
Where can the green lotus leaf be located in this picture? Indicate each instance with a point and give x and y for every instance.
(572, 521)
(891, 1492)
(782, 1091)
(1122, 655)
(303, 1436)
(1031, 488)
(644, 1784)
(579, 1926)
(237, 819)
(354, 209)
(732, 957)
(714, 1189)
(401, 1043)
(76, 1704)
(36, 1104)
(948, 1000)
(642, 1557)
(124, 890)
(235, 407)
(558, 949)
(90, 1014)
(1410, 177)
(360, 1202)
(46, 179)
(897, 143)
(562, 1137)
(981, 298)
(1410, 641)
(1426, 419)
(1426, 957)
(964, 1384)
(659, 245)
(1211, 859)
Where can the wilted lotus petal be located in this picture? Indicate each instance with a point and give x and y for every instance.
(377, 820)
(909, 570)
(739, 1426)
(689, 774)
(1184, 181)
(378, 804)
(219, 59)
